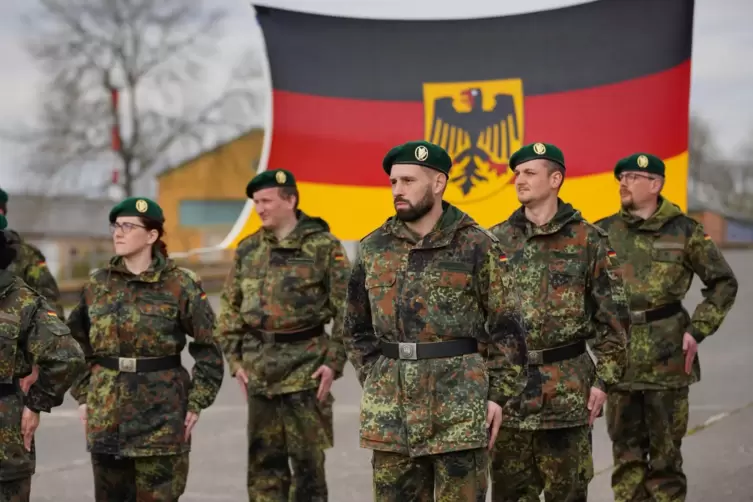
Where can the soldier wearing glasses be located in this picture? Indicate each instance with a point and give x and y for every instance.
(660, 249)
(138, 403)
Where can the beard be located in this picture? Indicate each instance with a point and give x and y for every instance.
(627, 204)
(415, 212)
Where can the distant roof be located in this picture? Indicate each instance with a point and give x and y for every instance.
(207, 152)
(58, 215)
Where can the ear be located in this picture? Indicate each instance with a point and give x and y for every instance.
(152, 236)
(555, 180)
(440, 183)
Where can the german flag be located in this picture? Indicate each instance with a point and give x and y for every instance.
(600, 79)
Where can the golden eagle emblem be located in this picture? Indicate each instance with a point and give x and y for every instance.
(480, 124)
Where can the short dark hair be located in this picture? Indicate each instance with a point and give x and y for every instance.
(288, 192)
(553, 167)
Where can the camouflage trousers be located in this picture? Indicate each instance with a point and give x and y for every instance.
(18, 490)
(555, 461)
(142, 479)
(460, 476)
(288, 432)
(646, 429)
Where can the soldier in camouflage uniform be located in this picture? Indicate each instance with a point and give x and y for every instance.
(138, 403)
(433, 329)
(30, 333)
(660, 249)
(571, 292)
(287, 283)
(31, 266)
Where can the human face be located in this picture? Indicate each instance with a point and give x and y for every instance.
(272, 208)
(534, 183)
(412, 191)
(130, 236)
(638, 189)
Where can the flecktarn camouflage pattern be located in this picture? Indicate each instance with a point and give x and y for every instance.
(30, 333)
(31, 266)
(278, 288)
(282, 287)
(453, 283)
(647, 412)
(571, 291)
(659, 257)
(122, 315)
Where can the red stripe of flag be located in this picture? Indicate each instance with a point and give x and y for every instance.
(345, 139)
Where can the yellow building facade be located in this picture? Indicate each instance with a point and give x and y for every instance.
(203, 197)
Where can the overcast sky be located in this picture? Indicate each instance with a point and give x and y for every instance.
(722, 75)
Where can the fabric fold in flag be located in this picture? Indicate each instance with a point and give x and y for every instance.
(601, 80)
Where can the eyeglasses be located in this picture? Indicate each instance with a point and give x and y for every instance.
(124, 227)
(632, 177)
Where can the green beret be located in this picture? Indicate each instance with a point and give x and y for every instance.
(3, 222)
(641, 162)
(533, 151)
(421, 153)
(270, 179)
(137, 206)
(3, 196)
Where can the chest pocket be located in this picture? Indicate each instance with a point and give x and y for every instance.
(157, 316)
(668, 261)
(450, 287)
(10, 326)
(668, 251)
(566, 293)
(382, 298)
(294, 271)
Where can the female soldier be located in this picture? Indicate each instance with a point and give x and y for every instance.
(30, 333)
(137, 401)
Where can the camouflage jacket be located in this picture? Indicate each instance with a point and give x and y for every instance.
(660, 256)
(571, 290)
(30, 333)
(287, 286)
(149, 315)
(31, 266)
(453, 283)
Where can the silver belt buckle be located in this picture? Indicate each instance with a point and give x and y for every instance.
(638, 317)
(127, 364)
(536, 357)
(407, 350)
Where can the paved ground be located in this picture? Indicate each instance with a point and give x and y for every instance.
(719, 459)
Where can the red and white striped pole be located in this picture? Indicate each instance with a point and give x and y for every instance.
(115, 191)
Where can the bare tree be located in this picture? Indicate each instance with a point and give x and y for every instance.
(701, 151)
(152, 56)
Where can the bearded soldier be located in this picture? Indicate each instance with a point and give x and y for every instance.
(661, 249)
(432, 326)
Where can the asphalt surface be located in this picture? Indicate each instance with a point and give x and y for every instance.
(718, 459)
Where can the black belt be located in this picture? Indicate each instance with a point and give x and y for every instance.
(663, 312)
(139, 365)
(429, 350)
(298, 336)
(8, 389)
(557, 354)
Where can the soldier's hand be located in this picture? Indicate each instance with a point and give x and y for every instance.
(493, 421)
(242, 378)
(327, 375)
(27, 381)
(690, 349)
(29, 424)
(191, 419)
(595, 401)
(82, 409)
